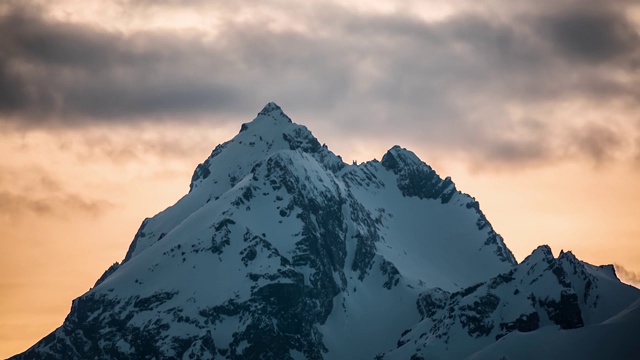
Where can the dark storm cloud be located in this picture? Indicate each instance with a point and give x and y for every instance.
(51, 69)
(449, 83)
(75, 72)
(523, 144)
(591, 35)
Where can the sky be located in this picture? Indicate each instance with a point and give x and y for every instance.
(106, 108)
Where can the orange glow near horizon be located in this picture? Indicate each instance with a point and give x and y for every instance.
(70, 210)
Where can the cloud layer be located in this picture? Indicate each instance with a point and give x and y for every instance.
(512, 83)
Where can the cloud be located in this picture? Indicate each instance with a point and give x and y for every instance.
(13, 206)
(65, 71)
(516, 152)
(36, 193)
(598, 142)
(591, 34)
(122, 147)
(467, 82)
(628, 276)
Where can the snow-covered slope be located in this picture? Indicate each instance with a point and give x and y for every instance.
(542, 292)
(616, 338)
(282, 251)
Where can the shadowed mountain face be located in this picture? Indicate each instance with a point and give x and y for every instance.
(280, 250)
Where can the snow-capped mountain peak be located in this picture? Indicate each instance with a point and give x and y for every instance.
(274, 110)
(280, 250)
(542, 253)
(398, 156)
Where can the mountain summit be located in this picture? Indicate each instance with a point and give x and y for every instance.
(280, 250)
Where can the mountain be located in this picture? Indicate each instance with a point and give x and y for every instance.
(280, 250)
(541, 295)
(616, 338)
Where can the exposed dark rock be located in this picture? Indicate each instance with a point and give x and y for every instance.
(107, 273)
(524, 323)
(393, 275)
(416, 178)
(566, 312)
(476, 317)
(139, 234)
(429, 303)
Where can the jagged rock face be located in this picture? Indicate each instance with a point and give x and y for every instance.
(282, 251)
(541, 291)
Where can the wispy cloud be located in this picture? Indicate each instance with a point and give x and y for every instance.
(41, 195)
(599, 142)
(13, 206)
(628, 276)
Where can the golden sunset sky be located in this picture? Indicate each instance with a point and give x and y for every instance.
(107, 107)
